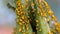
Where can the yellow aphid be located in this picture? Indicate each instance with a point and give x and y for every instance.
(53, 17)
(20, 29)
(32, 4)
(21, 12)
(23, 7)
(27, 28)
(20, 7)
(26, 0)
(50, 12)
(17, 2)
(58, 29)
(16, 9)
(50, 33)
(54, 31)
(27, 21)
(28, 16)
(21, 20)
(20, 23)
(48, 19)
(18, 13)
(22, 17)
(46, 4)
(37, 21)
(39, 1)
(41, 14)
(56, 24)
(44, 14)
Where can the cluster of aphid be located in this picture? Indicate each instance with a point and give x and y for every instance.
(35, 17)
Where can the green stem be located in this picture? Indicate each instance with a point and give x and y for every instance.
(42, 27)
(22, 27)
